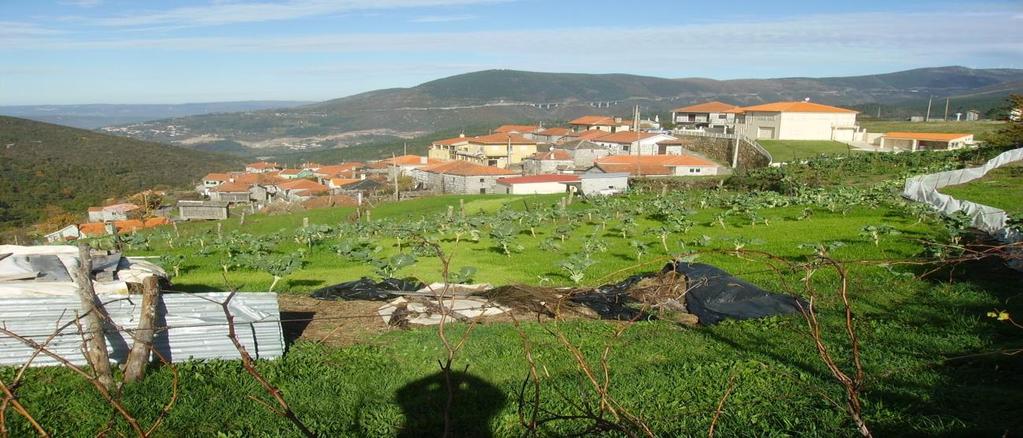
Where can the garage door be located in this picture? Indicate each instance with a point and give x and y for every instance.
(765, 132)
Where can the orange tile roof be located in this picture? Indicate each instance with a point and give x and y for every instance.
(232, 187)
(709, 107)
(452, 141)
(95, 209)
(596, 120)
(338, 182)
(256, 178)
(625, 137)
(129, 225)
(553, 154)
(93, 229)
(591, 134)
(501, 138)
(216, 177)
(925, 136)
(291, 171)
(797, 107)
(465, 168)
(523, 129)
(648, 164)
(403, 160)
(303, 185)
(337, 169)
(156, 222)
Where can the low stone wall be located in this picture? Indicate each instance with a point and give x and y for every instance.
(720, 150)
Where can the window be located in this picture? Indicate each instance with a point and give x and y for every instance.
(611, 187)
(483, 190)
(481, 180)
(722, 116)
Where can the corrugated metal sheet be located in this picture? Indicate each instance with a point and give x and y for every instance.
(197, 328)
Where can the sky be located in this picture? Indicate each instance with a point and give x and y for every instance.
(130, 51)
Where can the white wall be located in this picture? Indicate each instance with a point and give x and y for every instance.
(813, 126)
(538, 188)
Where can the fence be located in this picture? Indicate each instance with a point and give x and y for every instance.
(986, 218)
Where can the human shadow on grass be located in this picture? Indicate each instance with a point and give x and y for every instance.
(473, 403)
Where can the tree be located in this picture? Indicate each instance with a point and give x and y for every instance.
(1012, 133)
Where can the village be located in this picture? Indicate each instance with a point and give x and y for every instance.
(592, 155)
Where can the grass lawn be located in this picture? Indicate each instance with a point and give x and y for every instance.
(791, 150)
(925, 342)
(982, 130)
(1001, 188)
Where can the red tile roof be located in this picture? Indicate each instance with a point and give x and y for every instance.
(262, 165)
(337, 169)
(537, 179)
(522, 129)
(925, 136)
(291, 171)
(649, 164)
(797, 107)
(216, 177)
(591, 134)
(256, 178)
(710, 107)
(338, 182)
(403, 160)
(452, 141)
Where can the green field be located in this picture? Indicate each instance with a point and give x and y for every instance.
(1001, 188)
(934, 362)
(982, 130)
(791, 150)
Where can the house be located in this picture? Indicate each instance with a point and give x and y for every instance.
(535, 184)
(301, 189)
(296, 173)
(583, 135)
(233, 191)
(972, 115)
(675, 146)
(601, 123)
(584, 152)
(463, 177)
(343, 170)
(189, 210)
(551, 135)
(656, 165)
(632, 143)
(262, 167)
(926, 141)
(362, 187)
(798, 121)
(553, 161)
(69, 232)
(601, 183)
(1015, 114)
(498, 149)
(527, 131)
(116, 212)
(708, 116)
(212, 180)
(336, 184)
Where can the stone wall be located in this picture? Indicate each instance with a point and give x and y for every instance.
(720, 150)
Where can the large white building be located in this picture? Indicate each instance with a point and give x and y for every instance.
(798, 121)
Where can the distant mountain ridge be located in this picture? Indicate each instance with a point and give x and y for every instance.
(91, 116)
(493, 97)
(43, 165)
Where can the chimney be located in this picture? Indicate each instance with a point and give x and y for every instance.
(422, 160)
(461, 135)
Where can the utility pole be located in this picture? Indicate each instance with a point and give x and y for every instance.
(945, 119)
(927, 118)
(879, 111)
(394, 162)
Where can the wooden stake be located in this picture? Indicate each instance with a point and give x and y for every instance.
(219, 229)
(305, 222)
(95, 342)
(138, 357)
(461, 207)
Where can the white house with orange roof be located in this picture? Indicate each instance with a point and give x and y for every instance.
(527, 131)
(925, 141)
(459, 176)
(632, 142)
(602, 123)
(535, 184)
(799, 120)
(657, 165)
(708, 116)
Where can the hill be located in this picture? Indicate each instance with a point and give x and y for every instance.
(493, 97)
(92, 116)
(43, 165)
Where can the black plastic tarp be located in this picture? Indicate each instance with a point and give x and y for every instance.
(714, 295)
(368, 289)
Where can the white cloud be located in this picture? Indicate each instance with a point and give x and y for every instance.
(219, 13)
(441, 18)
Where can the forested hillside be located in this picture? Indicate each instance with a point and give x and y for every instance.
(44, 165)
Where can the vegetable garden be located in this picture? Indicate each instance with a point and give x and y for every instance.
(922, 357)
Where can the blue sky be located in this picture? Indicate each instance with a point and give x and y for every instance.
(120, 51)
